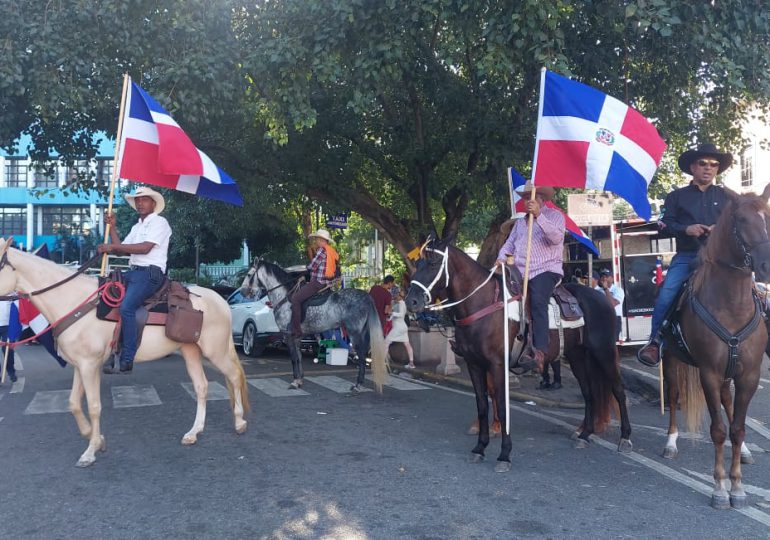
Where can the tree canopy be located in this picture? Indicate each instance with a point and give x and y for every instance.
(407, 113)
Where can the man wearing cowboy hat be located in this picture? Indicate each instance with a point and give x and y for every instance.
(147, 248)
(322, 272)
(545, 263)
(689, 214)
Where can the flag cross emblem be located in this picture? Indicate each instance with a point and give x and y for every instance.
(605, 136)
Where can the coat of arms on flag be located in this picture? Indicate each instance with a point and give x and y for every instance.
(155, 150)
(589, 140)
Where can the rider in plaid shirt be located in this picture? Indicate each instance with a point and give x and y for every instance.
(322, 272)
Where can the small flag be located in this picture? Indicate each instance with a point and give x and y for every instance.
(155, 150)
(518, 207)
(589, 140)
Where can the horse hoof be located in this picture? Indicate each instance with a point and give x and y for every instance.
(747, 459)
(625, 446)
(475, 458)
(240, 429)
(720, 501)
(581, 444)
(502, 466)
(85, 462)
(669, 452)
(739, 501)
(189, 440)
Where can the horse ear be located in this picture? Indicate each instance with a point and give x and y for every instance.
(766, 193)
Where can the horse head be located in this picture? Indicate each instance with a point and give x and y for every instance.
(7, 271)
(431, 276)
(750, 243)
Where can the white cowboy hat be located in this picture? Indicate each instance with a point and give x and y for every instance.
(547, 192)
(160, 204)
(321, 233)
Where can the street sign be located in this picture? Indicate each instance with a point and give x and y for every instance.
(590, 209)
(340, 221)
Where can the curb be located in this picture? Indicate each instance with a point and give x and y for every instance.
(641, 382)
(515, 395)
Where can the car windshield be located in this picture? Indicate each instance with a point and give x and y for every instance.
(238, 298)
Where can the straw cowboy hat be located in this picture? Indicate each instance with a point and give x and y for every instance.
(160, 204)
(689, 157)
(321, 233)
(546, 192)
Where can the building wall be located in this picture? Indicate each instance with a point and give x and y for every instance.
(751, 166)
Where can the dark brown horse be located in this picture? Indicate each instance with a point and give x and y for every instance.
(445, 271)
(720, 321)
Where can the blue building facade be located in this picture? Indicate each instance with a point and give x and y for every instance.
(36, 207)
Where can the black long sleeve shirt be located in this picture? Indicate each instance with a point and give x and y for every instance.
(687, 206)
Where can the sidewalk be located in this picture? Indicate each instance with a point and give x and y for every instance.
(637, 378)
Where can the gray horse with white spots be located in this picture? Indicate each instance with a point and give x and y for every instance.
(352, 309)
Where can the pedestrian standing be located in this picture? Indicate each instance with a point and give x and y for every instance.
(5, 318)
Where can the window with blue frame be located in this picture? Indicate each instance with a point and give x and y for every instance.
(104, 171)
(13, 220)
(45, 176)
(15, 172)
(66, 220)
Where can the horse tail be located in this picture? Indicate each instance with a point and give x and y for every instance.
(380, 366)
(242, 388)
(691, 397)
(600, 383)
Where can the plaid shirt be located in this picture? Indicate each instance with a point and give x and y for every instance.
(317, 267)
(547, 243)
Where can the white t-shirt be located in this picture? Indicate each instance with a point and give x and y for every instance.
(618, 294)
(5, 312)
(155, 229)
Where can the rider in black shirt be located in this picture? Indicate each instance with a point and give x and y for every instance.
(689, 214)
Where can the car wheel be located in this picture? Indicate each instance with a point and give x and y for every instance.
(251, 345)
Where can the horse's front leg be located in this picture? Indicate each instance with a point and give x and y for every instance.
(296, 361)
(76, 405)
(192, 359)
(670, 451)
(744, 391)
(727, 403)
(91, 376)
(479, 380)
(504, 459)
(712, 384)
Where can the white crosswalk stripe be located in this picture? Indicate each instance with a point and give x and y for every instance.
(216, 391)
(275, 387)
(49, 401)
(18, 366)
(18, 386)
(400, 384)
(124, 397)
(336, 384)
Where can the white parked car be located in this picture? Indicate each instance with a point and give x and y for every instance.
(254, 326)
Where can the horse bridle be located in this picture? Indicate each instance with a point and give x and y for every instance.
(748, 260)
(428, 297)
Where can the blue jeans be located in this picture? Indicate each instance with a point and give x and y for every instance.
(10, 369)
(140, 285)
(678, 272)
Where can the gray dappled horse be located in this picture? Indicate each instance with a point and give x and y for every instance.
(351, 308)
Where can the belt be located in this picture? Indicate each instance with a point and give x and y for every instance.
(135, 267)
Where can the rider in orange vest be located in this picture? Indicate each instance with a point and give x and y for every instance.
(322, 268)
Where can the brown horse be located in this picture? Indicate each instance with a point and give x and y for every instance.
(720, 321)
(591, 351)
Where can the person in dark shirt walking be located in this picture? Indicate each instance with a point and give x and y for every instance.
(689, 214)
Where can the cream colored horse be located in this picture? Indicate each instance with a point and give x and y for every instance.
(86, 344)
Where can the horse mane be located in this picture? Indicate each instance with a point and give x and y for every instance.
(275, 271)
(721, 235)
(50, 266)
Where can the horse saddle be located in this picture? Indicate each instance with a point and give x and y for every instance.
(564, 310)
(317, 299)
(169, 306)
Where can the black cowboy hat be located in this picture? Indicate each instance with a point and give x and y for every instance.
(705, 150)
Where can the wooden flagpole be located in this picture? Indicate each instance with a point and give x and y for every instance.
(115, 166)
(5, 362)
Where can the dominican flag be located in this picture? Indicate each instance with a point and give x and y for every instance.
(589, 140)
(518, 208)
(155, 150)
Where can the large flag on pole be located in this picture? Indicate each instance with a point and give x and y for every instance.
(589, 140)
(155, 150)
(518, 206)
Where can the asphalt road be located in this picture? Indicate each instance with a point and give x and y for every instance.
(325, 464)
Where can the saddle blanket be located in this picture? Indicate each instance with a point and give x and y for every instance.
(514, 314)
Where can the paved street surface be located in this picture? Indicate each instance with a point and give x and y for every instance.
(324, 464)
